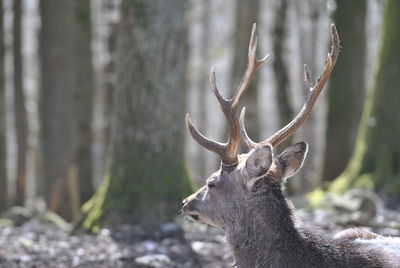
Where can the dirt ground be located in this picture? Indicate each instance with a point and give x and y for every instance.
(187, 245)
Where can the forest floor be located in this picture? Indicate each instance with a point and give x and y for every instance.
(43, 244)
(42, 241)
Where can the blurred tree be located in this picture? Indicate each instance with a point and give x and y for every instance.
(204, 82)
(147, 176)
(83, 84)
(346, 92)
(247, 13)
(375, 163)
(21, 123)
(312, 14)
(56, 99)
(107, 100)
(105, 19)
(281, 71)
(3, 171)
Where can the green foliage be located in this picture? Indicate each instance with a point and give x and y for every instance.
(316, 197)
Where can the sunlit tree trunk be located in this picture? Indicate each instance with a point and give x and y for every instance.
(56, 108)
(347, 88)
(202, 83)
(147, 176)
(3, 172)
(83, 96)
(21, 124)
(105, 15)
(375, 163)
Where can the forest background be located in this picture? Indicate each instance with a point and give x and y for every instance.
(93, 96)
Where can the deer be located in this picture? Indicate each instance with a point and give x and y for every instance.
(246, 198)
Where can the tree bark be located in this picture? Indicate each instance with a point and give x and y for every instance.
(375, 163)
(346, 92)
(147, 176)
(56, 108)
(83, 96)
(3, 171)
(21, 123)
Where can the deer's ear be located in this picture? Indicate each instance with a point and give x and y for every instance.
(292, 159)
(259, 161)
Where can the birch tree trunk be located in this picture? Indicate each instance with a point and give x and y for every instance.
(3, 149)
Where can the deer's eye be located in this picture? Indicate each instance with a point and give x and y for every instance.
(211, 183)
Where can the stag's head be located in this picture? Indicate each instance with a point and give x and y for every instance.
(232, 188)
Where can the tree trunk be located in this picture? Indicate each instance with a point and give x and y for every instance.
(83, 96)
(147, 176)
(375, 163)
(246, 14)
(312, 14)
(203, 83)
(56, 108)
(3, 171)
(280, 69)
(347, 88)
(104, 16)
(21, 123)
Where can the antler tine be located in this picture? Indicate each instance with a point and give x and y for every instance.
(312, 93)
(224, 104)
(307, 81)
(211, 145)
(249, 144)
(252, 66)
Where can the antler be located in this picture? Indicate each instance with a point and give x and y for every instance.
(312, 93)
(228, 151)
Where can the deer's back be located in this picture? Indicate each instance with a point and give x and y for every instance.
(325, 251)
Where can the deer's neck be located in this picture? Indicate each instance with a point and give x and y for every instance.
(264, 233)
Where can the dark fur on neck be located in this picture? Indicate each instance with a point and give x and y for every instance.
(267, 237)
